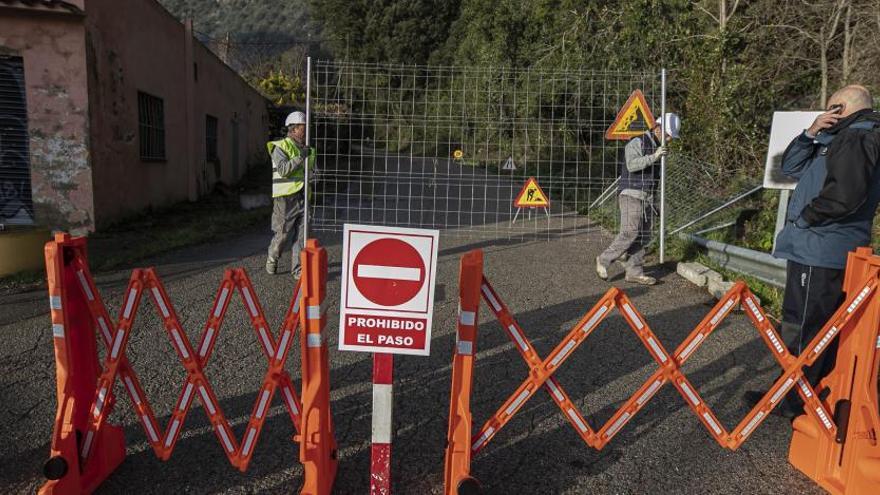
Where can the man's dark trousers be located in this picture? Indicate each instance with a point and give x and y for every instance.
(812, 295)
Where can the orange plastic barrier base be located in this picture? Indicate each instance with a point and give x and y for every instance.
(86, 448)
(857, 320)
(849, 462)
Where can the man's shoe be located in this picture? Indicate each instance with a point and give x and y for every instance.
(296, 272)
(641, 279)
(271, 267)
(601, 270)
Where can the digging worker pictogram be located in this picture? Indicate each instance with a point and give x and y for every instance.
(288, 181)
(830, 214)
(639, 177)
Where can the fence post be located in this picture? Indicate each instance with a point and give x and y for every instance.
(663, 166)
(305, 232)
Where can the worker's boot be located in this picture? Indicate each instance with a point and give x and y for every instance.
(641, 278)
(601, 269)
(271, 266)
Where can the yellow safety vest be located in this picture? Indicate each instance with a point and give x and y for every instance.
(285, 186)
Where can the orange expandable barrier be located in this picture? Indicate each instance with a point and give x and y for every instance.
(86, 448)
(462, 444)
(848, 462)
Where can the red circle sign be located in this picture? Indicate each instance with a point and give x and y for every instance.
(389, 272)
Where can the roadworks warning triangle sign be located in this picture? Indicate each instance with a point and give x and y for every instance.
(531, 196)
(634, 118)
(509, 164)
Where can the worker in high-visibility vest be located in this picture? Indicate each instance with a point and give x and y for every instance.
(288, 185)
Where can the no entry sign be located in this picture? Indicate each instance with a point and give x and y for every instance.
(387, 300)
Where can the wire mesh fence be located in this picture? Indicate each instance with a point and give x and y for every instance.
(452, 147)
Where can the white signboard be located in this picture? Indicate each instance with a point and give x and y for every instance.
(388, 278)
(786, 126)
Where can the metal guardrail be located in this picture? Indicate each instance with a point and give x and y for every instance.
(762, 266)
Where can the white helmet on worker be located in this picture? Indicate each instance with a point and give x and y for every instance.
(295, 118)
(671, 124)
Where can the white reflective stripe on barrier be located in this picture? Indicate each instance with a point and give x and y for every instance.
(754, 309)
(187, 393)
(715, 427)
(564, 352)
(264, 338)
(827, 338)
(288, 396)
(85, 285)
(690, 393)
(313, 340)
(105, 330)
(825, 421)
(249, 441)
(690, 347)
(577, 420)
(315, 312)
(555, 390)
(588, 326)
(171, 432)
(250, 301)
(782, 391)
(296, 299)
(282, 346)
(465, 347)
(132, 390)
(467, 317)
(776, 344)
(179, 342)
(224, 293)
(87, 444)
(617, 425)
(225, 437)
(491, 297)
(151, 431)
(55, 302)
(649, 393)
(518, 338)
(383, 404)
(117, 342)
(161, 301)
(656, 347)
(99, 403)
(129, 303)
(855, 304)
(721, 312)
(261, 408)
(805, 388)
(207, 400)
(632, 314)
(752, 424)
(483, 438)
(878, 342)
(209, 336)
(515, 404)
(58, 330)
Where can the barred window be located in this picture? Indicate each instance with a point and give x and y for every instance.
(211, 138)
(151, 124)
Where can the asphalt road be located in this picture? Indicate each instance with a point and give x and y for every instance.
(548, 284)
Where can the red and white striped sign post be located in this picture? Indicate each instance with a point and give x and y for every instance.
(386, 307)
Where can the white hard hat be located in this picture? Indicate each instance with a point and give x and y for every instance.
(671, 124)
(295, 118)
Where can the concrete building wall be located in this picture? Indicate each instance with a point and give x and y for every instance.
(51, 42)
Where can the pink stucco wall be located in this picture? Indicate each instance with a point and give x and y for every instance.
(143, 48)
(52, 46)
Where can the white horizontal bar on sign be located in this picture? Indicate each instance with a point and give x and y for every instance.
(389, 272)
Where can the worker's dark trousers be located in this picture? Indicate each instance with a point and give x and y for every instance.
(812, 295)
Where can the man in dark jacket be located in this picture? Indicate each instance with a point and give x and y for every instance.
(830, 214)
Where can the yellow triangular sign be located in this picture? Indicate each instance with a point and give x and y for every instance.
(634, 118)
(531, 196)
